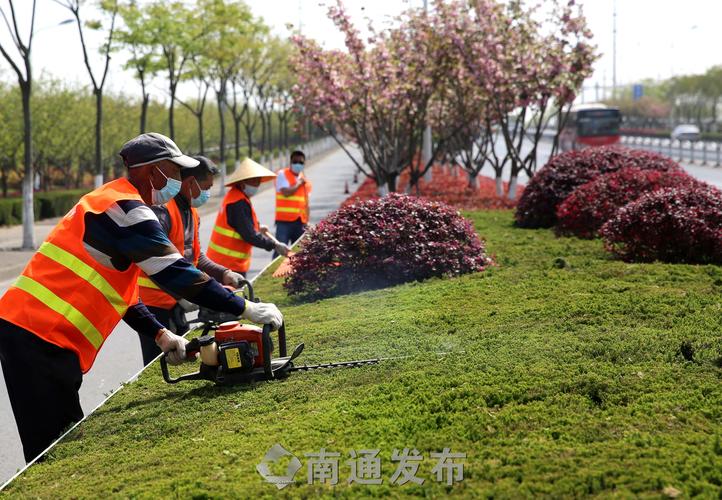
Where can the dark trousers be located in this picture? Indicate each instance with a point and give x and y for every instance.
(43, 381)
(173, 319)
(288, 232)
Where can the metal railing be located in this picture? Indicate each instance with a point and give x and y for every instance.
(693, 152)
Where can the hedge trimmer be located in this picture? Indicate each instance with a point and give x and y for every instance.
(240, 353)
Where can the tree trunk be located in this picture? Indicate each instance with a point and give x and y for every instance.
(171, 112)
(28, 211)
(391, 183)
(144, 112)
(473, 181)
(263, 133)
(499, 185)
(4, 181)
(249, 138)
(98, 138)
(201, 141)
(512, 187)
(221, 97)
(237, 138)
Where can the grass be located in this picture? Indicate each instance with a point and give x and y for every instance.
(569, 374)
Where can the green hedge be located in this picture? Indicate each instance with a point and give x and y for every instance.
(46, 206)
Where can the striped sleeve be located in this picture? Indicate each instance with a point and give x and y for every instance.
(129, 233)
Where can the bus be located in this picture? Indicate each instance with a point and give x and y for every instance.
(590, 125)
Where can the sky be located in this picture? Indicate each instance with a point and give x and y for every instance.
(655, 38)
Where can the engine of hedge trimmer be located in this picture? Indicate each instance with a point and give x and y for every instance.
(235, 353)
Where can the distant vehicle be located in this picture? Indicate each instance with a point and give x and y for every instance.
(685, 132)
(590, 125)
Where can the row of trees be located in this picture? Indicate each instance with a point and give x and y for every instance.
(489, 76)
(229, 56)
(64, 140)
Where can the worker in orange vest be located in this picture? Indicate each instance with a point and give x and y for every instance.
(83, 280)
(292, 207)
(180, 221)
(237, 230)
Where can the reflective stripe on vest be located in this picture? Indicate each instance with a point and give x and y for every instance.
(227, 247)
(61, 307)
(64, 295)
(295, 206)
(150, 293)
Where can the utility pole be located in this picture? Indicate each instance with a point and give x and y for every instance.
(614, 51)
(426, 144)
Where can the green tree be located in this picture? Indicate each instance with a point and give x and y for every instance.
(110, 8)
(137, 37)
(229, 25)
(176, 32)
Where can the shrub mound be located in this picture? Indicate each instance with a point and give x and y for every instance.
(383, 242)
(567, 171)
(682, 224)
(592, 204)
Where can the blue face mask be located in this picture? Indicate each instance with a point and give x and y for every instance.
(250, 190)
(202, 198)
(297, 168)
(167, 193)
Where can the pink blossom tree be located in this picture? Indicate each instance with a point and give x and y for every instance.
(526, 69)
(489, 76)
(375, 94)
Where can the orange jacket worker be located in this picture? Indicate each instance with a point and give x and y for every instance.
(292, 205)
(83, 280)
(237, 230)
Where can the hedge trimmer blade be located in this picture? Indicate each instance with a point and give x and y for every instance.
(340, 364)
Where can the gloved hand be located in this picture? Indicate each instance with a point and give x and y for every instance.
(173, 345)
(282, 249)
(263, 229)
(263, 313)
(232, 278)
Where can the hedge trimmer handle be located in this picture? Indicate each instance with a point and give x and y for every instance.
(192, 349)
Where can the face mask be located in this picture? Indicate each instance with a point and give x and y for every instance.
(202, 198)
(167, 193)
(297, 168)
(250, 190)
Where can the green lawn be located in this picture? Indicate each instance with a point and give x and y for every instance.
(565, 378)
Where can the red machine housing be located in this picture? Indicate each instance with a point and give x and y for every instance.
(233, 331)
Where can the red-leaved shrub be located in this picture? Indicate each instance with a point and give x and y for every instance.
(383, 242)
(567, 171)
(592, 204)
(682, 224)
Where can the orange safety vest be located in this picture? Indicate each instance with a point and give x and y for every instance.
(65, 296)
(290, 208)
(227, 247)
(150, 293)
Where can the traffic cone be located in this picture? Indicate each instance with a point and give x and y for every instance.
(345, 188)
(355, 178)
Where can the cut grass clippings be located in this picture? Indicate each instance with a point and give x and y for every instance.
(569, 374)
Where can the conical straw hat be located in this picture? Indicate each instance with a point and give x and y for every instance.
(249, 169)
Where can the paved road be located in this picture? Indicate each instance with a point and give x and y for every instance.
(120, 358)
